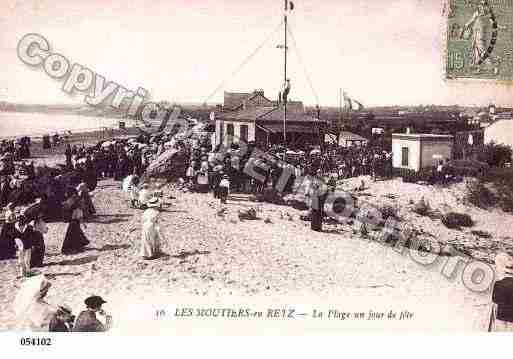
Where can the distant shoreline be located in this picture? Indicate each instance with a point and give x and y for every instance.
(63, 110)
(39, 124)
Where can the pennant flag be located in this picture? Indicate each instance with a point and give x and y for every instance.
(291, 5)
(360, 106)
(349, 104)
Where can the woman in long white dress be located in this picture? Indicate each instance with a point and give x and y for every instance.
(151, 236)
(32, 312)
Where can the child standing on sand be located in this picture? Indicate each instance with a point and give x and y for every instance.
(38, 243)
(24, 237)
(224, 188)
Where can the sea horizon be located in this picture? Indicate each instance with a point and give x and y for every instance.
(36, 124)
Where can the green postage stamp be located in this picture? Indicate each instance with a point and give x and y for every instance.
(479, 39)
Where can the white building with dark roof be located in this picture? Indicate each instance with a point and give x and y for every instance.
(419, 150)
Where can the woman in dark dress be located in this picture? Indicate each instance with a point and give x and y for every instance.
(91, 176)
(75, 239)
(5, 189)
(68, 153)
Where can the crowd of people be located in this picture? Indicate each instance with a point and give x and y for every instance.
(200, 168)
(22, 234)
(206, 170)
(220, 171)
(18, 148)
(196, 165)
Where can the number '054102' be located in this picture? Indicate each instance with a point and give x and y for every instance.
(36, 341)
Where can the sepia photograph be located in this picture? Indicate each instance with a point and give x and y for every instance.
(255, 167)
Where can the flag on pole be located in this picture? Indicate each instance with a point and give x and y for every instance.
(351, 104)
(291, 5)
(360, 106)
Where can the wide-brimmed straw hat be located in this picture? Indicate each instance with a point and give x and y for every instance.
(153, 202)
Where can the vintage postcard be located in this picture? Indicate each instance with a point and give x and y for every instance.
(480, 39)
(241, 167)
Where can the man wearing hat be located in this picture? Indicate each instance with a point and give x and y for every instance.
(87, 321)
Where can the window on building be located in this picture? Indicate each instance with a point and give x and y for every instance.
(405, 156)
(229, 134)
(229, 129)
(244, 133)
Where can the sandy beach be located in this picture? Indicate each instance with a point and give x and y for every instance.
(213, 259)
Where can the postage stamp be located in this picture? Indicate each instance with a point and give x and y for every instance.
(479, 39)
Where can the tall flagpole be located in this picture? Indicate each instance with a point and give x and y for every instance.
(285, 99)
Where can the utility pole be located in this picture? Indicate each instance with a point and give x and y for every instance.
(340, 122)
(339, 110)
(285, 99)
(340, 102)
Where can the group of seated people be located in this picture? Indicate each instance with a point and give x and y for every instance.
(34, 313)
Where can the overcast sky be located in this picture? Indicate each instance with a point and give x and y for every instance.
(380, 52)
